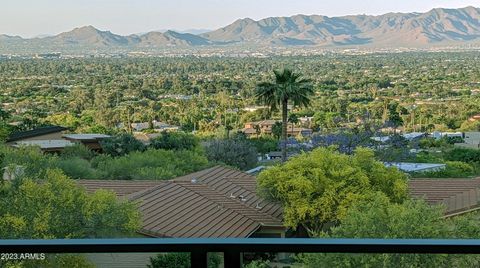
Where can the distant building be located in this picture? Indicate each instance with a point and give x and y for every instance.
(474, 118)
(438, 135)
(54, 139)
(471, 141)
(55, 55)
(91, 141)
(41, 133)
(414, 136)
(265, 127)
(52, 146)
(156, 125)
(146, 138)
(407, 136)
(416, 167)
(254, 108)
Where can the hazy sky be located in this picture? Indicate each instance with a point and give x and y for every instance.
(35, 17)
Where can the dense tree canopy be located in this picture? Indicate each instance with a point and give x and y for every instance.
(378, 217)
(317, 188)
(239, 153)
(58, 208)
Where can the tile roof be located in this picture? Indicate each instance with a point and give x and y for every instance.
(34, 133)
(216, 202)
(456, 195)
(120, 187)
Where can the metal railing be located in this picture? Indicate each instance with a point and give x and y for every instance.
(232, 247)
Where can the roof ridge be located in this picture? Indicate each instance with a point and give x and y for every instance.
(223, 196)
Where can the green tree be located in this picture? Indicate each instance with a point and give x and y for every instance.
(175, 141)
(378, 217)
(181, 260)
(287, 87)
(122, 144)
(239, 153)
(317, 188)
(58, 208)
(77, 150)
(5, 129)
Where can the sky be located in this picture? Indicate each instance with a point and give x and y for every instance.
(30, 18)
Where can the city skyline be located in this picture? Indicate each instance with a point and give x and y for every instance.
(29, 18)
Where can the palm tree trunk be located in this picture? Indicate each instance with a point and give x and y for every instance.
(284, 129)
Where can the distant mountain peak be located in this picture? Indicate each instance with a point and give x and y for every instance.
(439, 26)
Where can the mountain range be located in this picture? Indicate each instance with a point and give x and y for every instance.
(436, 27)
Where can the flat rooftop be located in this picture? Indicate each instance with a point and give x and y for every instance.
(415, 167)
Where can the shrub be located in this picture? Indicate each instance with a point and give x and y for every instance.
(181, 260)
(265, 144)
(77, 150)
(463, 155)
(121, 145)
(151, 164)
(237, 153)
(77, 168)
(175, 141)
(30, 158)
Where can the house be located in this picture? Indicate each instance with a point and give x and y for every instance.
(265, 127)
(474, 118)
(50, 146)
(161, 126)
(254, 108)
(416, 167)
(472, 138)
(471, 141)
(414, 136)
(48, 138)
(213, 203)
(156, 125)
(41, 133)
(146, 138)
(91, 141)
(458, 196)
(438, 135)
(54, 139)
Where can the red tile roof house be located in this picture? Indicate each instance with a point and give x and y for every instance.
(218, 202)
(458, 196)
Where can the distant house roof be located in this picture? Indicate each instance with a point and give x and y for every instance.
(216, 202)
(475, 118)
(86, 137)
(415, 167)
(381, 138)
(34, 133)
(457, 195)
(45, 144)
(414, 135)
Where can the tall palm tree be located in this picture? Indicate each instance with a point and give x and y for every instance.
(287, 87)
